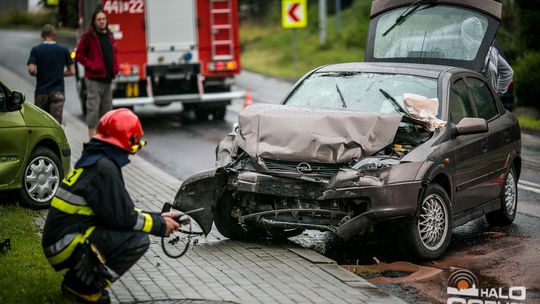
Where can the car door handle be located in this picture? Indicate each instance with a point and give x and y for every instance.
(484, 146)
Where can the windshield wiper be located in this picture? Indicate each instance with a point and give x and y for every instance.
(396, 104)
(343, 104)
(413, 7)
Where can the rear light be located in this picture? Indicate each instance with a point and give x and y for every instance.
(128, 69)
(220, 66)
(511, 85)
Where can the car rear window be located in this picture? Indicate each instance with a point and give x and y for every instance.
(440, 31)
(359, 91)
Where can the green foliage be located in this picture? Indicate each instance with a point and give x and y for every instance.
(528, 14)
(268, 48)
(25, 274)
(20, 19)
(527, 77)
(529, 123)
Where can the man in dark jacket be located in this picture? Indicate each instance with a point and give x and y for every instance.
(96, 50)
(48, 62)
(93, 228)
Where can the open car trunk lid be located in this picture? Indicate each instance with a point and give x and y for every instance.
(445, 32)
(312, 135)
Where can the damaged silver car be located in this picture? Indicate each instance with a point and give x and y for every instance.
(419, 140)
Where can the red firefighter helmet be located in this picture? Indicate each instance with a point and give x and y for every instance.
(122, 128)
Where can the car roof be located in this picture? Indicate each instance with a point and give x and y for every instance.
(424, 70)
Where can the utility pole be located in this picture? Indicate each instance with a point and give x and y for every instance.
(338, 14)
(322, 22)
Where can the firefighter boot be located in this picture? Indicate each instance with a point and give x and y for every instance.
(76, 290)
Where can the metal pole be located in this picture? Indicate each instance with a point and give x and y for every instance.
(295, 48)
(338, 14)
(322, 22)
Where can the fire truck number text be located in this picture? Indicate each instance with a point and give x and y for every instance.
(124, 6)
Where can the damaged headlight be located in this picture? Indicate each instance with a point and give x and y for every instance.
(243, 162)
(372, 163)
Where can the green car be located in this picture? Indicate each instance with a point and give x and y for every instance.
(34, 151)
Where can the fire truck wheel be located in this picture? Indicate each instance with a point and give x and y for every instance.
(201, 114)
(218, 113)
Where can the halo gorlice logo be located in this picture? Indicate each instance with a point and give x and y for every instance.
(464, 288)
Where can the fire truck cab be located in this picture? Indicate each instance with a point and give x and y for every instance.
(171, 51)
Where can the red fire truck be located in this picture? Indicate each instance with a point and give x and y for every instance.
(171, 51)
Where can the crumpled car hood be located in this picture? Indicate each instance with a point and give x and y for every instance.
(313, 135)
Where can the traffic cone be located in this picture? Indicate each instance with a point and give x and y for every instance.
(248, 100)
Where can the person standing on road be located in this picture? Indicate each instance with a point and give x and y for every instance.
(497, 70)
(93, 228)
(48, 62)
(96, 51)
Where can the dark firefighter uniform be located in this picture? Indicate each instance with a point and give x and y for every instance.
(93, 207)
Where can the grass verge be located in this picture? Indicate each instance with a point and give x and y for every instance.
(529, 123)
(267, 48)
(25, 274)
(21, 19)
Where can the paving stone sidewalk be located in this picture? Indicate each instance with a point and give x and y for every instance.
(221, 270)
(218, 270)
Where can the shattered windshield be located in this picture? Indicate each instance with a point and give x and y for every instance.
(439, 31)
(366, 92)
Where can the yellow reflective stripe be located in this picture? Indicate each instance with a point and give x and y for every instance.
(68, 208)
(68, 251)
(72, 177)
(147, 223)
(90, 298)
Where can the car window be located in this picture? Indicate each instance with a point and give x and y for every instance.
(440, 31)
(359, 91)
(460, 104)
(485, 104)
(3, 100)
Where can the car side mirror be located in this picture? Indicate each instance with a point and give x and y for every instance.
(469, 125)
(15, 101)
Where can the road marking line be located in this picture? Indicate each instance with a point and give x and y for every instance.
(528, 183)
(527, 188)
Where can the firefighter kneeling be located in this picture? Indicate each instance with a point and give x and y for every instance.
(93, 228)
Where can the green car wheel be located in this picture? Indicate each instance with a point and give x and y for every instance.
(41, 179)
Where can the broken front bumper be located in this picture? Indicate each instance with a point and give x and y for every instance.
(384, 200)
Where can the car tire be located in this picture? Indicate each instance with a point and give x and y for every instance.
(41, 178)
(427, 236)
(228, 225)
(509, 199)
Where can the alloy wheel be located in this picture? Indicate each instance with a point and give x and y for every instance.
(510, 197)
(433, 222)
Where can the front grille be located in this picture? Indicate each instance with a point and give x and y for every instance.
(305, 168)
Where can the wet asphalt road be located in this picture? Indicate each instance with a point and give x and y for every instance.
(500, 257)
